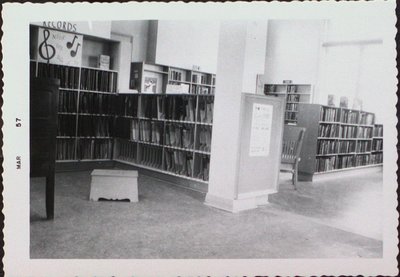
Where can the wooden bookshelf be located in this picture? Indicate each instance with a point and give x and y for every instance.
(170, 129)
(163, 122)
(295, 94)
(337, 139)
(377, 145)
(86, 93)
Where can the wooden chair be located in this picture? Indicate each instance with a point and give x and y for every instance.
(291, 148)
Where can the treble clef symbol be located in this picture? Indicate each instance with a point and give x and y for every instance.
(50, 51)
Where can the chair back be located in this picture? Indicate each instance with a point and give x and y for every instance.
(292, 142)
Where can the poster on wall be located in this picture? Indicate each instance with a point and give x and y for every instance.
(260, 136)
(57, 47)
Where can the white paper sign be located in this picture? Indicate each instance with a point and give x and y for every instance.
(59, 47)
(260, 136)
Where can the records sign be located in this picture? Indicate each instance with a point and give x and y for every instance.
(57, 47)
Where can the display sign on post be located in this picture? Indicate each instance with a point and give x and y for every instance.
(260, 136)
(59, 47)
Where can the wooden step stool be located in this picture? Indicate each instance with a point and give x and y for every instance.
(114, 185)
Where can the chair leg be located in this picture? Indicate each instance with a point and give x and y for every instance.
(50, 196)
(295, 177)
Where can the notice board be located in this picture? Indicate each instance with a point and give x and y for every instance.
(262, 120)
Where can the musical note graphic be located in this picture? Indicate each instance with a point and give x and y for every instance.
(49, 51)
(73, 52)
(71, 43)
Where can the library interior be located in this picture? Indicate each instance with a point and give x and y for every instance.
(207, 139)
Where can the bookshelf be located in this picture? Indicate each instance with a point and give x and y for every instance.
(295, 94)
(377, 145)
(86, 94)
(338, 139)
(163, 122)
(167, 127)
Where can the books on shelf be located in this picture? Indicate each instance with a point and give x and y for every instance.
(98, 80)
(126, 150)
(93, 149)
(65, 149)
(67, 101)
(344, 139)
(68, 75)
(329, 114)
(378, 130)
(179, 162)
(202, 167)
(151, 156)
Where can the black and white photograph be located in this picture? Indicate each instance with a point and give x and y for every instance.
(184, 139)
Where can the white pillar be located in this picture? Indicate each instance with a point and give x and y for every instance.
(241, 57)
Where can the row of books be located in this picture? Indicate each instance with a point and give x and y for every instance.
(151, 106)
(290, 116)
(149, 131)
(151, 156)
(127, 105)
(93, 126)
(378, 131)
(177, 75)
(204, 138)
(366, 118)
(175, 161)
(206, 110)
(333, 146)
(68, 76)
(204, 79)
(292, 106)
(179, 162)
(202, 167)
(376, 158)
(293, 98)
(65, 149)
(94, 103)
(348, 116)
(98, 80)
(126, 150)
(179, 135)
(323, 164)
(93, 149)
(179, 108)
(363, 146)
(364, 132)
(67, 101)
(198, 89)
(66, 125)
(336, 130)
(329, 114)
(377, 145)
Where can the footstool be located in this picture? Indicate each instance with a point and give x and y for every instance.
(114, 185)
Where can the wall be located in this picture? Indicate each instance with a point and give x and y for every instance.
(188, 43)
(293, 50)
(359, 69)
(137, 31)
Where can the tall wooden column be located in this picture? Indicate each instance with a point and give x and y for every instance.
(241, 57)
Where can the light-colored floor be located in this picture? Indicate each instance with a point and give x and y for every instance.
(319, 220)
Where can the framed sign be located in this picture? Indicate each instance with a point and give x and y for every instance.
(59, 47)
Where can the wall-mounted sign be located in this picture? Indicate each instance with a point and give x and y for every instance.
(61, 25)
(260, 136)
(59, 47)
